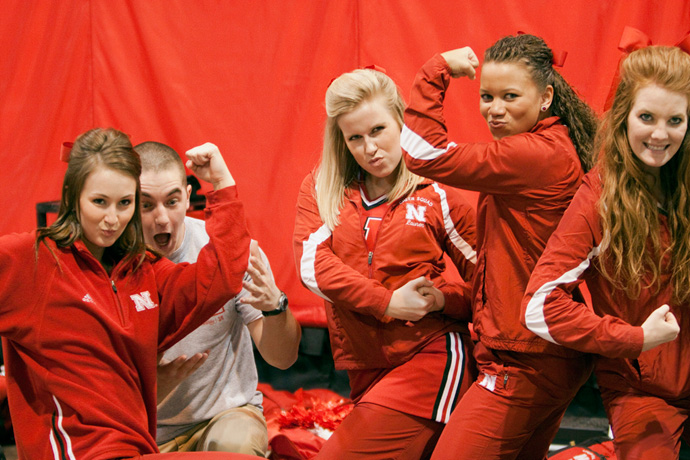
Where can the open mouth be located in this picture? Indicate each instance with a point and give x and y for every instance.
(162, 239)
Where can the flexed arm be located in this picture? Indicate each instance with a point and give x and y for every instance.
(549, 309)
(513, 164)
(191, 293)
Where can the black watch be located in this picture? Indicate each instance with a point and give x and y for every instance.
(282, 306)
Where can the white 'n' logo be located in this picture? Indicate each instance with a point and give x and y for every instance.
(143, 301)
(415, 213)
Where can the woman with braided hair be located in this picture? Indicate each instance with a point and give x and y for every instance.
(526, 177)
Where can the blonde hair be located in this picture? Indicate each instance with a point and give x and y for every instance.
(628, 208)
(338, 168)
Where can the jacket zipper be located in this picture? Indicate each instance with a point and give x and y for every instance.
(118, 305)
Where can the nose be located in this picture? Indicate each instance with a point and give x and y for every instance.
(497, 107)
(110, 217)
(370, 146)
(660, 132)
(161, 216)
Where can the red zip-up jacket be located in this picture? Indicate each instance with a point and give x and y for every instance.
(612, 329)
(525, 183)
(80, 345)
(357, 285)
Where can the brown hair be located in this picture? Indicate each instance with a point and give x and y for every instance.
(567, 105)
(98, 147)
(157, 157)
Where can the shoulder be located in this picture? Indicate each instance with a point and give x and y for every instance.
(19, 244)
(592, 180)
(443, 194)
(194, 225)
(309, 181)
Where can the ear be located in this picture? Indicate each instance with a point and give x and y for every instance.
(546, 97)
(189, 195)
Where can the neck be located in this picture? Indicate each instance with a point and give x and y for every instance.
(377, 186)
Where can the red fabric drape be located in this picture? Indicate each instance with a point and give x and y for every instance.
(251, 76)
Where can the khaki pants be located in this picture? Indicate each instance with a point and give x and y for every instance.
(241, 430)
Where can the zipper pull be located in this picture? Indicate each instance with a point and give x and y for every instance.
(112, 283)
(505, 380)
(371, 256)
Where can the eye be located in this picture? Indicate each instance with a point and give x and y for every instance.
(126, 202)
(645, 116)
(173, 202)
(510, 96)
(98, 201)
(486, 98)
(145, 206)
(378, 129)
(354, 137)
(675, 121)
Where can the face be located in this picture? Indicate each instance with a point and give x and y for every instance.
(657, 123)
(510, 100)
(164, 203)
(372, 135)
(106, 206)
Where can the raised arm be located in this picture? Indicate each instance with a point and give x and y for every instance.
(191, 293)
(506, 166)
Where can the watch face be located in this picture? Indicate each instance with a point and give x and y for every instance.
(283, 302)
(282, 306)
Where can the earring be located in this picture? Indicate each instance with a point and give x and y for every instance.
(543, 108)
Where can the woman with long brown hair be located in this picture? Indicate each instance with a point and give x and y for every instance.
(626, 235)
(85, 308)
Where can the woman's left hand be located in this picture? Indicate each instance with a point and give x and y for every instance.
(436, 294)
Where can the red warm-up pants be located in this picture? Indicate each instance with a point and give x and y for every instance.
(514, 409)
(645, 426)
(389, 434)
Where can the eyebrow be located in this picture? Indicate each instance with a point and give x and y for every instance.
(172, 192)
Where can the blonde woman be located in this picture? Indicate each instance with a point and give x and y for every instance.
(627, 236)
(370, 239)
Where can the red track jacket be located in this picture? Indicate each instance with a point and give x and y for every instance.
(613, 328)
(80, 346)
(525, 182)
(357, 286)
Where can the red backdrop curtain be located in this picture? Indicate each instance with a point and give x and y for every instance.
(251, 76)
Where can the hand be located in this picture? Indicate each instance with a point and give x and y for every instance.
(436, 294)
(660, 327)
(208, 164)
(408, 304)
(264, 295)
(172, 373)
(462, 62)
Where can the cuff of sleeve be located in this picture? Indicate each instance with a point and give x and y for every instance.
(218, 196)
(638, 340)
(379, 308)
(458, 304)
